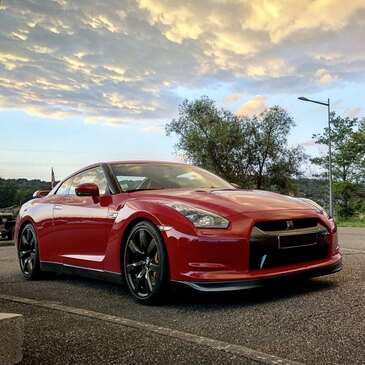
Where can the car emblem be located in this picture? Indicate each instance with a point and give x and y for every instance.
(289, 225)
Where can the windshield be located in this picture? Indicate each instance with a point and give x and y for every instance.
(147, 176)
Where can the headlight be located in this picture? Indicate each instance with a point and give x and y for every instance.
(199, 217)
(316, 205)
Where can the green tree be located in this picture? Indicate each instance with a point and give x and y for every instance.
(348, 160)
(20, 196)
(275, 163)
(213, 138)
(15, 191)
(7, 193)
(252, 152)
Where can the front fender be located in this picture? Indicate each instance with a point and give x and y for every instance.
(134, 211)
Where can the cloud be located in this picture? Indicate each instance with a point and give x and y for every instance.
(279, 19)
(111, 122)
(354, 112)
(122, 61)
(234, 33)
(81, 60)
(253, 107)
(322, 76)
(155, 128)
(308, 143)
(282, 19)
(234, 97)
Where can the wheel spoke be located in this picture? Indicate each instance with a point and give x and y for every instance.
(134, 248)
(32, 240)
(138, 282)
(24, 239)
(148, 281)
(25, 264)
(24, 253)
(151, 246)
(133, 265)
(30, 264)
(142, 239)
(29, 234)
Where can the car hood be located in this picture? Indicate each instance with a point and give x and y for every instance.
(227, 202)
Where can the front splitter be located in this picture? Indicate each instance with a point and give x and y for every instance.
(260, 282)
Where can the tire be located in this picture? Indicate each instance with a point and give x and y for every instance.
(28, 253)
(145, 264)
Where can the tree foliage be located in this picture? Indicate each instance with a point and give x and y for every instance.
(18, 191)
(252, 152)
(274, 164)
(348, 162)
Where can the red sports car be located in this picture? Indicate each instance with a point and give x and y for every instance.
(152, 223)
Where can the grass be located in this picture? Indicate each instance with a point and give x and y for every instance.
(351, 222)
(6, 242)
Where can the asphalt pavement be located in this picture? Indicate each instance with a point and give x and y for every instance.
(70, 320)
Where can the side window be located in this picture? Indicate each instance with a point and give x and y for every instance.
(95, 175)
(63, 189)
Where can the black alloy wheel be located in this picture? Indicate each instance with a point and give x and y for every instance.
(146, 264)
(28, 253)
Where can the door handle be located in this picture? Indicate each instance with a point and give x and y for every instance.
(57, 207)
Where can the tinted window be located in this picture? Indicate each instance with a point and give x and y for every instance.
(95, 175)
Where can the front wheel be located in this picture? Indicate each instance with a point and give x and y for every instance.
(145, 264)
(28, 253)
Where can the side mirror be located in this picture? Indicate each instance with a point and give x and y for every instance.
(87, 189)
(236, 186)
(41, 193)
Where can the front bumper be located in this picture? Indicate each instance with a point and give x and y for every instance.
(264, 281)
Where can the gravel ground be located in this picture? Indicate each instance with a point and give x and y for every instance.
(321, 321)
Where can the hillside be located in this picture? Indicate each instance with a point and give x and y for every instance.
(18, 191)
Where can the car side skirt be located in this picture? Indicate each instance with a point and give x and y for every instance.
(260, 282)
(60, 268)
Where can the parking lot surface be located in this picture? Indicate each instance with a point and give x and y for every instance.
(83, 321)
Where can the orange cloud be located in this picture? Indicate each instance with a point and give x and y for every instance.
(234, 97)
(253, 107)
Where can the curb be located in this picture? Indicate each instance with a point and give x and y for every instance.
(11, 338)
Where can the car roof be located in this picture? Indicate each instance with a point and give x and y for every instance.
(132, 162)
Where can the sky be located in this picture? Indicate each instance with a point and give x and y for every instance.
(87, 81)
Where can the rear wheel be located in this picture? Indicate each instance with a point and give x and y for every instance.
(28, 253)
(145, 264)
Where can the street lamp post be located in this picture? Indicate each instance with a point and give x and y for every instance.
(329, 148)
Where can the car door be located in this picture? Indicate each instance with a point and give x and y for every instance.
(80, 222)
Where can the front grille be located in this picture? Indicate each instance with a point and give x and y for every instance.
(297, 240)
(279, 225)
(274, 247)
